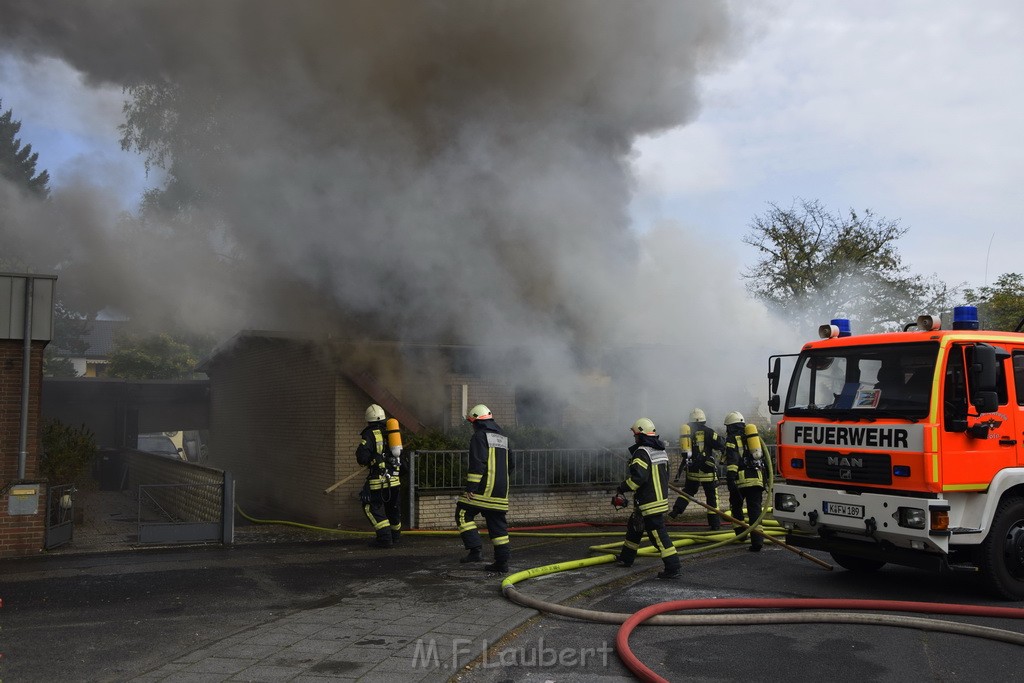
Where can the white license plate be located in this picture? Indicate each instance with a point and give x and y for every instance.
(842, 509)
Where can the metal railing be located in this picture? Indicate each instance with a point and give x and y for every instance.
(430, 470)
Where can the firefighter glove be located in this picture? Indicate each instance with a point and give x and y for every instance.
(618, 501)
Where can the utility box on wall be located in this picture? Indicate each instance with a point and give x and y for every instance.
(13, 305)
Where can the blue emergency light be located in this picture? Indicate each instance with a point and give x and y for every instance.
(965, 318)
(844, 326)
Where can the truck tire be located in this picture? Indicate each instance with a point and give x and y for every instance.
(861, 565)
(1001, 554)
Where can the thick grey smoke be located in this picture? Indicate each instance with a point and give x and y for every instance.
(441, 171)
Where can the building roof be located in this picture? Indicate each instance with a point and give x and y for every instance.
(99, 337)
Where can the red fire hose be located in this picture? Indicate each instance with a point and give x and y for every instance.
(646, 674)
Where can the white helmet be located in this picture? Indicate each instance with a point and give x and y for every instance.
(479, 412)
(644, 425)
(733, 418)
(698, 416)
(375, 413)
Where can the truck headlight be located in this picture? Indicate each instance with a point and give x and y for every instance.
(786, 502)
(911, 518)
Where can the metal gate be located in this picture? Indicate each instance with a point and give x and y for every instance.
(187, 513)
(60, 515)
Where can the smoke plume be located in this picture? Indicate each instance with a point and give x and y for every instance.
(434, 171)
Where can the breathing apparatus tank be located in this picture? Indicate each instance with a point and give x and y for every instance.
(753, 440)
(685, 439)
(394, 436)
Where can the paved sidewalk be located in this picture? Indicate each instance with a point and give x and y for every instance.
(428, 620)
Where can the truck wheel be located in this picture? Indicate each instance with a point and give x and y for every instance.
(862, 565)
(1001, 555)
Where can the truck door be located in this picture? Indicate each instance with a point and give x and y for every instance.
(974, 447)
(1018, 393)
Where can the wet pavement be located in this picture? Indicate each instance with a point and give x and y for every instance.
(281, 604)
(285, 604)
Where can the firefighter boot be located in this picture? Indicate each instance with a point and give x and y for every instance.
(756, 542)
(500, 565)
(396, 535)
(473, 556)
(715, 522)
(625, 557)
(672, 568)
(679, 507)
(383, 539)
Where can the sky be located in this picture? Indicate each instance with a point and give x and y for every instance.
(910, 109)
(536, 172)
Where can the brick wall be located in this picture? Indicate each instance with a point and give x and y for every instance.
(20, 534)
(500, 398)
(273, 427)
(437, 511)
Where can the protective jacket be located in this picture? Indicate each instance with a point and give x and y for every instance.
(489, 467)
(702, 465)
(742, 469)
(373, 454)
(648, 476)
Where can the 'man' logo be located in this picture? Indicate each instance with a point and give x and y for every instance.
(837, 461)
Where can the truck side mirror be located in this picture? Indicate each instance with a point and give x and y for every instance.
(986, 401)
(774, 374)
(773, 403)
(983, 369)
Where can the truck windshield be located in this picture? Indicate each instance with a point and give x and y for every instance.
(864, 382)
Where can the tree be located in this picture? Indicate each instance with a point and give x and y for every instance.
(17, 163)
(816, 265)
(158, 356)
(1001, 306)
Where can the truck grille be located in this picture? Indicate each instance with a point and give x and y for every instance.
(866, 468)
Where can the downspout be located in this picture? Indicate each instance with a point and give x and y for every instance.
(26, 375)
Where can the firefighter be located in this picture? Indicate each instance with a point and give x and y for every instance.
(381, 494)
(648, 480)
(744, 473)
(486, 491)
(698, 444)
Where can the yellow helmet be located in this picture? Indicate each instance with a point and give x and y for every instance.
(479, 412)
(374, 413)
(644, 425)
(698, 416)
(733, 417)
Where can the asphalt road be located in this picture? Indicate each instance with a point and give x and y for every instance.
(115, 616)
(771, 652)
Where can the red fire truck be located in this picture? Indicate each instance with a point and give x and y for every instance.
(906, 447)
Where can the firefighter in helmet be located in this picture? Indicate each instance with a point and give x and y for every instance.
(648, 480)
(381, 495)
(486, 491)
(744, 473)
(698, 444)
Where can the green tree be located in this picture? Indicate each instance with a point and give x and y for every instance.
(815, 265)
(68, 452)
(17, 162)
(1001, 305)
(158, 356)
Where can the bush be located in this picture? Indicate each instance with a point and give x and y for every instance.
(68, 452)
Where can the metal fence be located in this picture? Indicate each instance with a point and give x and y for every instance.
(432, 470)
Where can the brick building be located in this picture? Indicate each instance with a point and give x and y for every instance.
(286, 413)
(26, 303)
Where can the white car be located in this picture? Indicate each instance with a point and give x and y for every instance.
(160, 444)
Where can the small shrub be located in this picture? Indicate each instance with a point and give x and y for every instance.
(68, 452)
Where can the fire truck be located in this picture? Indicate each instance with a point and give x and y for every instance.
(906, 448)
